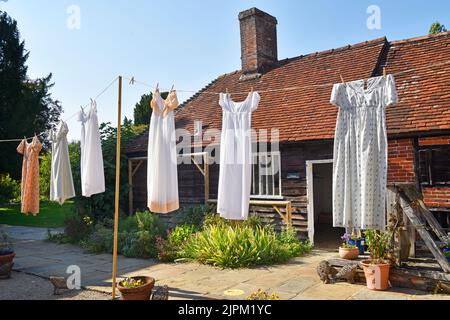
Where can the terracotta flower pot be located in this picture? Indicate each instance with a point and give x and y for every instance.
(377, 275)
(349, 253)
(6, 259)
(139, 293)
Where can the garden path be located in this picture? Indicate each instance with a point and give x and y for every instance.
(295, 280)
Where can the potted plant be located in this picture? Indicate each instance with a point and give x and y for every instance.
(377, 268)
(348, 250)
(446, 247)
(6, 256)
(136, 288)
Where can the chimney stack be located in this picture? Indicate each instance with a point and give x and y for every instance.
(258, 42)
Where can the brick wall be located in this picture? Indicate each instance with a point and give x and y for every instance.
(434, 141)
(401, 161)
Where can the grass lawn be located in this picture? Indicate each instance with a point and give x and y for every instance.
(51, 215)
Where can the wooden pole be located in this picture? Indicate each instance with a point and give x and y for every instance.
(116, 215)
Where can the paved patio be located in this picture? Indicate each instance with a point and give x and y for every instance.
(296, 280)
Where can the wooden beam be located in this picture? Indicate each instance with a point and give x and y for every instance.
(117, 198)
(130, 186)
(423, 232)
(206, 176)
(137, 167)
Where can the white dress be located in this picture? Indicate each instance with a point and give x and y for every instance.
(162, 173)
(92, 171)
(236, 156)
(360, 153)
(61, 181)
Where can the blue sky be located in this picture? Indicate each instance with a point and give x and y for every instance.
(186, 43)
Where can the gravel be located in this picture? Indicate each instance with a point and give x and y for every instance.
(23, 286)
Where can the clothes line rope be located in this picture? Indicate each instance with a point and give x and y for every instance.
(71, 117)
(133, 81)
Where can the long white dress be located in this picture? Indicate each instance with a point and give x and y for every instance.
(61, 181)
(92, 170)
(360, 153)
(162, 173)
(236, 156)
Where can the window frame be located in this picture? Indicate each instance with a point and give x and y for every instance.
(429, 151)
(276, 183)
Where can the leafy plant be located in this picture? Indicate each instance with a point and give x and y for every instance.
(263, 295)
(168, 250)
(196, 215)
(131, 283)
(239, 246)
(446, 240)
(447, 254)
(378, 243)
(9, 189)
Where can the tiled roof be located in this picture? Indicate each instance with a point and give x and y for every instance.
(306, 114)
(424, 93)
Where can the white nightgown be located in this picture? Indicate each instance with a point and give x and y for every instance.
(92, 171)
(162, 174)
(61, 181)
(360, 152)
(236, 156)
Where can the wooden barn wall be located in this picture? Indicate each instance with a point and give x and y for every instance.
(294, 157)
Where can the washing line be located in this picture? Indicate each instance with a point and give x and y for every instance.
(133, 80)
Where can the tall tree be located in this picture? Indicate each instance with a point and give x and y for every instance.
(26, 106)
(143, 111)
(436, 27)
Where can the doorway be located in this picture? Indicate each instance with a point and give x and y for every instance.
(320, 205)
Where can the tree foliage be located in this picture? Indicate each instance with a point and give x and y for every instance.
(143, 111)
(437, 27)
(26, 106)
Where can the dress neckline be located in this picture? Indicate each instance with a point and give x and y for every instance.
(241, 102)
(365, 86)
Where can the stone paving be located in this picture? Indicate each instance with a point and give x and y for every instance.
(296, 280)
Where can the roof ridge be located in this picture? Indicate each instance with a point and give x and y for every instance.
(338, 49)
(421, 38)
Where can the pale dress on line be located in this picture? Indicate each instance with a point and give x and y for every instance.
(236, 156)
(360, 153)
(30, 175)
(92, 170)
(162, 172)
(61, 181)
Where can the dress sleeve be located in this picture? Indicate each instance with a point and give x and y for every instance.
(256, 98)
(337, 95)
(222, 99)
(21, 147)
(391, 96)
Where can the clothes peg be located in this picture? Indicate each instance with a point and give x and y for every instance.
(227, 91)
(157, 86)
(251, 90)
(342, 78)
(171, 89)
(384, 73)
(132, 81)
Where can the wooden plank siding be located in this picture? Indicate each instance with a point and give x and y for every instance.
(293, 159)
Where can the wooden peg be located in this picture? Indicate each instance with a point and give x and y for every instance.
(342, 78)
(384, 73)
(171, 89)
(132, 81)
(157, 86)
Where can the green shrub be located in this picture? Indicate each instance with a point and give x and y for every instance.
(241, 246)
(169, 250)
(77, 228)
(195, 215)
(9, 189)
(100, 241)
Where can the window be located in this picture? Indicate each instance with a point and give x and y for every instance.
(434, 165)
(266, 176)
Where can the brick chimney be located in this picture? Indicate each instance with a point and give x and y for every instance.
(258, 42)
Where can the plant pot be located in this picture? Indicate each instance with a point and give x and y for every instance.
(377, 275)
(349, 253)
(6, 265)
(139, 293)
